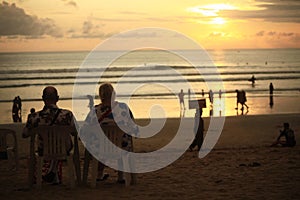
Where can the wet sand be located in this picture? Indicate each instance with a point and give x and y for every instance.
(241, 166)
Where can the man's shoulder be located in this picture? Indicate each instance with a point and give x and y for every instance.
(62, 110)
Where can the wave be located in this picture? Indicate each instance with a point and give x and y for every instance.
(158, 75)
(161, 95)
(147, 68)
(132, 81)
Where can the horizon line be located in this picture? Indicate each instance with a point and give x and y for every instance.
(209, 49)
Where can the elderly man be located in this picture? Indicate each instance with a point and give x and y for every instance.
(50, 115)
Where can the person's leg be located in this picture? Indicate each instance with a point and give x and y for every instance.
(194, 143)
(101, 176)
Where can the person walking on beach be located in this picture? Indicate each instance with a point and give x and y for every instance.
(271, 88)
(242, 99)
(198, 130)
(15, 110)
(211, 97)
(51, 114)
(181, 100)
(289, 135)
(19, 103)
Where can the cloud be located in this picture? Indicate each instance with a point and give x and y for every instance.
(72, 3)
(217, 34)
(14, 21)
(279, 39)
(268, 10)
(87, 27)
(260, 33)
(275, 34)
(88, 30)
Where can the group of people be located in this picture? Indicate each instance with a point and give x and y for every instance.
(108, 110)
(51, 114)
(17, 109)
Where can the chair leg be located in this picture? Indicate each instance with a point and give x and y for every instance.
(126, 169)
(132, 168)
(86, 165)
(10, 157)
(71, 171)
(94, 172)
(39, 166)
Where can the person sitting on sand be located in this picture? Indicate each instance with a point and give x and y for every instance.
(289, 137)
(50, 115)
(111, 110)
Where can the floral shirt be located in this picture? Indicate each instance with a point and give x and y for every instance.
(120, 114)
(47, 117)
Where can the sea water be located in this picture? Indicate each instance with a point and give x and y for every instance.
(150, 77)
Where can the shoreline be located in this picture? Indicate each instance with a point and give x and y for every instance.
(169, 108)
(238, 131)
(240, 166)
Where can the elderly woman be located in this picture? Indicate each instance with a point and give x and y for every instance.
(111, 110)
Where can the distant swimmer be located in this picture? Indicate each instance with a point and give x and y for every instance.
(252, 79)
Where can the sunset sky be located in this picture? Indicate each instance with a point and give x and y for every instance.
(58, 25)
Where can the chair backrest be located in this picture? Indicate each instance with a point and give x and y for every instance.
(3, 139)
(56, 140)
(115, 135)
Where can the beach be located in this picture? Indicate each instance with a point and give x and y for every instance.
(242, 165)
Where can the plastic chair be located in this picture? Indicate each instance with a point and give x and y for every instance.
(56, 140)
(107, 150)
(9, 152)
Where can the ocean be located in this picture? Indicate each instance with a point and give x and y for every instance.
(146, 78)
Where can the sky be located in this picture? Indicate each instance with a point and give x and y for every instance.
(75, 25)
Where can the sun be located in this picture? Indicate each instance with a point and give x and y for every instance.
(218, 21)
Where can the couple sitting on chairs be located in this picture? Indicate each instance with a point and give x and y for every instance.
(52, 115)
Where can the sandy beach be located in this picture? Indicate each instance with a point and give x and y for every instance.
(241, 166)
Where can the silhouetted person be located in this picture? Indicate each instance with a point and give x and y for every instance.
(198, 140)
(271, 88)
(289, 137)
(32, 111)
(271, 101)
(181, 100)
(19, 102)
(220, 94)
(241, 98)
(91, 101)
(202, 93)
(252, 79)
(15, 110)
(211, 96)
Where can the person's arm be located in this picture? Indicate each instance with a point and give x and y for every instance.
(282, 133)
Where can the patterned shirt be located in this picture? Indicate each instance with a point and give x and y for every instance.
(120, 114)
(47, 117)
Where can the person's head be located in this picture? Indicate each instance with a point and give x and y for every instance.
(32, 110)
(286, 125)
(106, 93)
(50, 95)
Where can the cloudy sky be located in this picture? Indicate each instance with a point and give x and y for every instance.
(57, 25)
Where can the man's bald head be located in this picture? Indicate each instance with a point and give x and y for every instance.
(50, 95)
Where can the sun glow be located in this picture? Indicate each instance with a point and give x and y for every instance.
(211, 10)
(218, 20)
